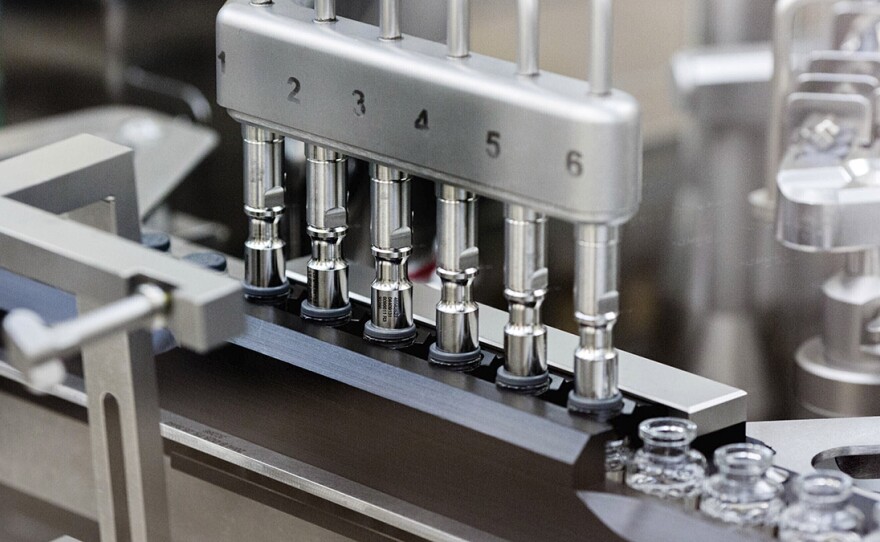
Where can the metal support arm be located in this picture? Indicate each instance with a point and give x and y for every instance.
(103, 271)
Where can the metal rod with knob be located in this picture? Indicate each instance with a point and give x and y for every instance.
(37, 349)
(525, 265)
(327, 218)
(264, 270)
(597, 249)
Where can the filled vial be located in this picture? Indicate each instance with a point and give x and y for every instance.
(740, 493)
(822, 512)
(666, 466)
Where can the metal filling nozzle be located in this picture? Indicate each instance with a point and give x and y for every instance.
(596, 310)
(264, 272)
(391, 233)
(525, 280)
(327, 219)
(458, 335)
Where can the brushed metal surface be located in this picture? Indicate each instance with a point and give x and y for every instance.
(430, 115)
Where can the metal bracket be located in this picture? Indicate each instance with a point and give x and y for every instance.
(101, 268)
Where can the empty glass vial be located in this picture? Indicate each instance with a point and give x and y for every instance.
(822, 512)
(741, 493)
(666, 466)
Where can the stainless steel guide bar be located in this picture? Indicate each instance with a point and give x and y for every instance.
(543, 141)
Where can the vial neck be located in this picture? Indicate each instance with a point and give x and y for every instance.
(667, 452)
(824, 502)
(823, 506)
(742, 478)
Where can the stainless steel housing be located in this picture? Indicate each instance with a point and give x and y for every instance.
(430, 115)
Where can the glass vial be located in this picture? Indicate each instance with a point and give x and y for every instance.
(822, 512)
(875, 534)
(666, 466)
(617, 455)
(741, 493)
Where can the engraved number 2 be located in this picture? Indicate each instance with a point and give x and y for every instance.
(296, 88)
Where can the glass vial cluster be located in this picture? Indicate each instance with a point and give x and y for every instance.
(740, 493)
(666, 466)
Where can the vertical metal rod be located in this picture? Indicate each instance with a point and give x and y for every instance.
(458, 29)
(458, 335)
(121, 367)
(596, 299)
(115, 38)
(327, 219)
(325, 10)
(391, 293)
(527, 52)
(389, 20)
(264, 272)
(122, 395)
(525, 286)
(601, 38)
(525, 266)
(596, 310)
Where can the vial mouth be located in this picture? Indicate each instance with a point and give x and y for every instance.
(668, 431)
(744, 459)
(824, 487)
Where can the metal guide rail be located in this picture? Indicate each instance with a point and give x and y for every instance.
(377, 436)
(540, 140)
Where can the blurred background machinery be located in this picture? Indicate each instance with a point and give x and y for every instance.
(705, 284)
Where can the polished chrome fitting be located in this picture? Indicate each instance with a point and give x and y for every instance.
(391, 232)
(525, 280)
(596, 311)
(264, 258)
(458, 334)
(327, 270)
